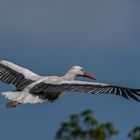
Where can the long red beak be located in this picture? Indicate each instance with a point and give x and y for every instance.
(88, 76)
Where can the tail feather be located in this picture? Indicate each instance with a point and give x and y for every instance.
(22, 97)
(13, 96)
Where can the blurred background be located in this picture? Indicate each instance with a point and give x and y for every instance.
(49, 37)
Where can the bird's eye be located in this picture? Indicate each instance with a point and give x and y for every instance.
(82, 70)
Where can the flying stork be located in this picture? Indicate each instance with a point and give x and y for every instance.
(33, 88)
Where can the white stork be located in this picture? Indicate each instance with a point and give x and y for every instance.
(33, 88)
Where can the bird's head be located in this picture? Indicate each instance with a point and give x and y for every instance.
(79, 71)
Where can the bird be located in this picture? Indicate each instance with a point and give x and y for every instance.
(32, 88)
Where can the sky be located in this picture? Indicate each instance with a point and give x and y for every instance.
(49, 37)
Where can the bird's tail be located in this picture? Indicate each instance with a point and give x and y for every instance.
(13, 96)
(22, 97)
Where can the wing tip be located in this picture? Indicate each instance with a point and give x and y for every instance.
(134, 95)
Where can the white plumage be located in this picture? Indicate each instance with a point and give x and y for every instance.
(22, 97)
(33, 88)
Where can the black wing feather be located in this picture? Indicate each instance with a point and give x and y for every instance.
(10, 76)
(84, 88)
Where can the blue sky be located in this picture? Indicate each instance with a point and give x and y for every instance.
(50, 36)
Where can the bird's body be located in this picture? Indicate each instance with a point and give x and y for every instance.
(33, 88)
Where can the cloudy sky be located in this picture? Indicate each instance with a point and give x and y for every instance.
(49, 37)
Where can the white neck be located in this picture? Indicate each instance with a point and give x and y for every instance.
(70, 75)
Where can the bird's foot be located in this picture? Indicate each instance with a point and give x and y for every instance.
(12, 104)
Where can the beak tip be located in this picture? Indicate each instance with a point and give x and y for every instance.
(94, 79)
(89, 76)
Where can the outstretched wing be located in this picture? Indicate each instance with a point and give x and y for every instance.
(11, 73)
(85, 87)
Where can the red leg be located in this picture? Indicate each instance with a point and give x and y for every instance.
(12, 104)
